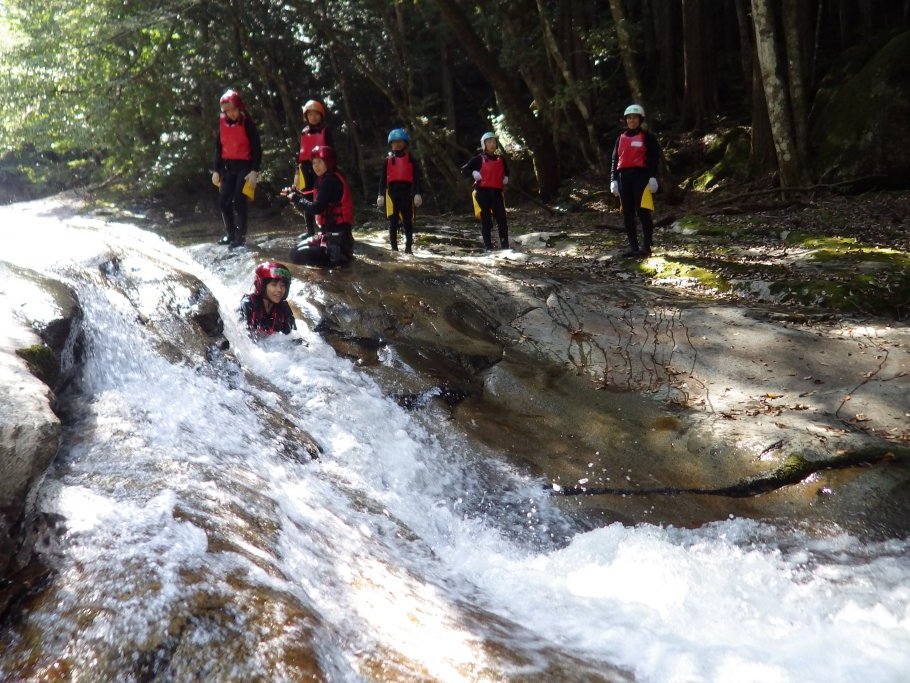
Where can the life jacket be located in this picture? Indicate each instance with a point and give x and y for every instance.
(399, 169)
(309, 139)
(632, 151)
(492, 171)
(337, 213)
(235, 144)
(277, 320)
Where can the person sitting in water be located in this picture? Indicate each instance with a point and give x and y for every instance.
(334, 212)
(266, 309)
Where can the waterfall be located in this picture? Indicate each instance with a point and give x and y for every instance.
(200, 546)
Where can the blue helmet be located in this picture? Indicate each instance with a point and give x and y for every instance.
(399, 134)
(487, 136)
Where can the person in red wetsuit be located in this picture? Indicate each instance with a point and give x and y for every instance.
(491, 174)
(333, 209)
(238, 157)
(265, 310)
(400, 182)
(636, 155)
(316, 133)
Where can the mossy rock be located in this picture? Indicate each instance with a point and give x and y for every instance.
(730, 153)
(699, 225)
(859, 121)
(860, 294)
(42, 362)
(826, 242)
(664, 269)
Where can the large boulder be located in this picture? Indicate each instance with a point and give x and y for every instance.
(858, 121)
(30, 371)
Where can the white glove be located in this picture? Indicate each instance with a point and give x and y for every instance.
(380, 201)
(614, 188)
(418, 200)
(505, 180)
(252, 178)
(652, 185)
(476, 175)
(216, 178)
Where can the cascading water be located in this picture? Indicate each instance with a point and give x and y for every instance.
(197, 548)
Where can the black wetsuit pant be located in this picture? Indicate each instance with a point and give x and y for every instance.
(309, 177)
(231, 200)
(492, 206)
(632, 184)
(330, 248)
(402, 213)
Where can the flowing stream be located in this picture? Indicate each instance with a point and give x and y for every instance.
(199, 546)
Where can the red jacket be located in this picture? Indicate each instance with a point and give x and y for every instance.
(310, 139)
(235, 143)
(492, 172)
(336, 212)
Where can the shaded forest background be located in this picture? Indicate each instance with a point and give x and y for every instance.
(786, 91)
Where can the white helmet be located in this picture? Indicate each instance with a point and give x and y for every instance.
(634, 109)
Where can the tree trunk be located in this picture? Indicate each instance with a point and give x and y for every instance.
(574, 90)
(666, 30)
(795, 70)
(351, 124)
(698, 97)
(626, 52)
(746, 49)
(515, 107)
(447, 81)
(776, 97)
(763, 157)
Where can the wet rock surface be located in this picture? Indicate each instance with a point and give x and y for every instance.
(672, 407)
(568, 362)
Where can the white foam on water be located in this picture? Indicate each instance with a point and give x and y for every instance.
(397, 527)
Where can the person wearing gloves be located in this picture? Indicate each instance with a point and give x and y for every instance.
(491, 174)
(265, 310)
(238, 156)
(333, 209)
(315, 133)
(399, 188)
(636, 155)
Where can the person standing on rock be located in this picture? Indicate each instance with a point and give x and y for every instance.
(491, 175)
(636, 155)
(238, 157)
(265, 310)
(399, 188)
(315, 133)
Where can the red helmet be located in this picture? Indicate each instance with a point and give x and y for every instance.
(271, 270)
(313, 105)
(327, 154)
(234, 98)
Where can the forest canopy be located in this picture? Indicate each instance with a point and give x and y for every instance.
(130, 89)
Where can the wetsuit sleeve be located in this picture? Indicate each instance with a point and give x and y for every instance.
(383, 176)
(417, 188)
(217, 163)
(505, 166)
(329, 137)
(614, 160)
(246, 311)
(652, 153)
(473, 164)
(289, 322)
(255, 143)
(328, 191)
